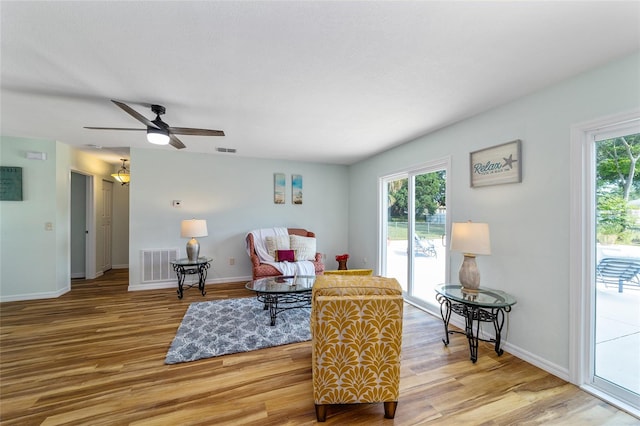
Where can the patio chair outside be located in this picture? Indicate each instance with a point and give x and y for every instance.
(620, 271)
(425, 247)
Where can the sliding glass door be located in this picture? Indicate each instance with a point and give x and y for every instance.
(396, 230)
(413, 228)
(615, 350)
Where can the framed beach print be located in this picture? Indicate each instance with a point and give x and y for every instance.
(279, 184)
(296, 189)
(496, 165)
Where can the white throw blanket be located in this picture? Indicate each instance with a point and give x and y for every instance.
(259, 242)
(301, 267)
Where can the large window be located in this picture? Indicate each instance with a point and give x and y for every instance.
(413, 227)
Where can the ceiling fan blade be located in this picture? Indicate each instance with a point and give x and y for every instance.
(195, 132)
(175, 142)
(113, 128)
(162, 127)
(135, 114)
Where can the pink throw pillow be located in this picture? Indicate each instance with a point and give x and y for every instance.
(285, 256)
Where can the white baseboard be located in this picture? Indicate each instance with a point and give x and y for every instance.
(539, 362)
(98, 274)
(35, 296)
(174, 283)
(153, 286)
(229, 280)
(123, 266)
(516, 351)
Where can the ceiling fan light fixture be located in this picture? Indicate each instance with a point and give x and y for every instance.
(157, 136)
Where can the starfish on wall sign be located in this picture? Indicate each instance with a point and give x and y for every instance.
(509, 161)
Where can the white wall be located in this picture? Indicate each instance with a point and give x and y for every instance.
(28, 252)
(529, 221)
(34, 262)
(62, 223)
(234, 195)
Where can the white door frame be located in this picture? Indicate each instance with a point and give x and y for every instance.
(90, 241)
(583, 252)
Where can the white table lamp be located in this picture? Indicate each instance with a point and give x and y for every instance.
(193, 228)
(471, 239)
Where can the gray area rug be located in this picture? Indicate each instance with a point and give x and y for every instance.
(223, 327)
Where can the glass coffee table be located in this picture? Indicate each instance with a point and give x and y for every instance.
(283, 292)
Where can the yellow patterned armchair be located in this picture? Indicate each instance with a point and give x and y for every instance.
(356, 328)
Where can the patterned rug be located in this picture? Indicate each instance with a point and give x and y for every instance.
(223, 327)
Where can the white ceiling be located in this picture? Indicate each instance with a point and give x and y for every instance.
(331, 82)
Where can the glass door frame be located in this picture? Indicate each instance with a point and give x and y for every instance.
(582, 258)
(410, 173)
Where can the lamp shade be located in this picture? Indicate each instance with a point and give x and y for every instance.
(157, 136)
(193, 228)
(470, 237)
(121, 177)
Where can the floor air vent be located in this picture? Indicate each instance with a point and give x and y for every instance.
(156, 265)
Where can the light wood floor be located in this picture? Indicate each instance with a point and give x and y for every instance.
(96, 356)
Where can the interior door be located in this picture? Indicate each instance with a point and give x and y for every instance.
(105, 224)
(78, 226)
